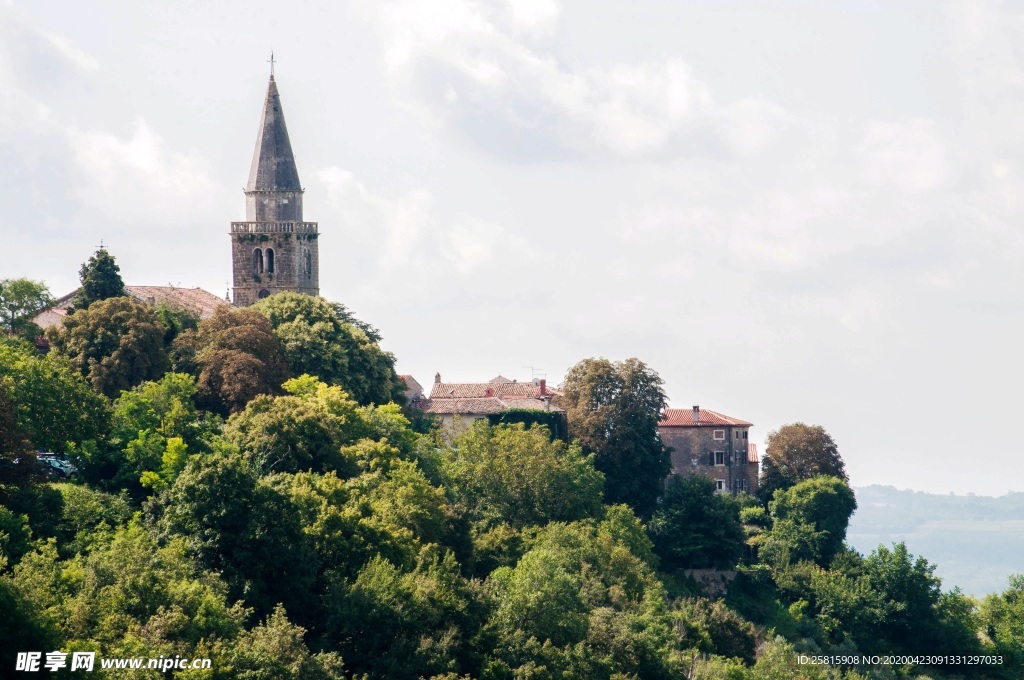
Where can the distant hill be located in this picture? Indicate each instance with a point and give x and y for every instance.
(976, 542)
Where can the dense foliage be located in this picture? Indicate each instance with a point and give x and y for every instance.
(613, 409)
(116, 344)
(20, 300)
(301, 528)
(101, 279)
(796, 452)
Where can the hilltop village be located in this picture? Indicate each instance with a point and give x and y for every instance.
(243, 486)
(275, 250)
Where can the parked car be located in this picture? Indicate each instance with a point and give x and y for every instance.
(56, 465)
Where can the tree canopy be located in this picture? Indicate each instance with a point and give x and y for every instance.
(20, 300)
(613, 409)
(520, 477)
(696, 527)
(52, 402)
(101, 279)
(319, 342)
(797, 452)
(116, 343)
(234, 356)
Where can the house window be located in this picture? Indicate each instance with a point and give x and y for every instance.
(270, 260)
(719, 435)
(739, 485)
(719, 457)
(719, 485)
(257, 261)
(744, 434)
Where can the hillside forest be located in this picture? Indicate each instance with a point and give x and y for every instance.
(252, 488)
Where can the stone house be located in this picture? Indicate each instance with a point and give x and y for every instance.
(458, 405)
(704, 442)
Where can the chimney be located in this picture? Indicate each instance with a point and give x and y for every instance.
(696, 414)
(543, 386)
(437, 377)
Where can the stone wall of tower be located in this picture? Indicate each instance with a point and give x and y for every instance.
(291, 272)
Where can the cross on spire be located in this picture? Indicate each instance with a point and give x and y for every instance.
(101, 246)
(272, 62)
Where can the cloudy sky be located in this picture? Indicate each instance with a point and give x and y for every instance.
(807, 211)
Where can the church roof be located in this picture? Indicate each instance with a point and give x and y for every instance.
(273, 164)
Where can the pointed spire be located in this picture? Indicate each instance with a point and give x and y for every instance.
(273, 164)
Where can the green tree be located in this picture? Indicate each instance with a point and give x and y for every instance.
(911, 617)
(1001, 617)
(582, 603)
(275, 649)
(176, 320)
(317, 341)
(87, 515)
(15, 472)
(695, 526)
(823, 503)
(242, 528)
(54, 405)
(299, 431)
(129, 596)
(20, 300)
(101, 279)
(713, 628)
(392, 623)
(796, 452)
(115, 343)
(508, 474)
(614, 410)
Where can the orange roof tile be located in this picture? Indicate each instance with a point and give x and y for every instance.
(752, 454)
(683, 417)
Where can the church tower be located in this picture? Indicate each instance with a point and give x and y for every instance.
(273, 250)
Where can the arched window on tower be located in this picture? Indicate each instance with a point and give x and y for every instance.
(257, 261)
(308, 265)
(270, 260)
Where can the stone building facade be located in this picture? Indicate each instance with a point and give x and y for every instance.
(274, 249)
(704, 442)
(458, 405)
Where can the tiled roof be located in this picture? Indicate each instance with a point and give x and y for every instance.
(481, 390)
(752, 454)
(203, 302)
(200, 301)
(481, 405)
(683, 417)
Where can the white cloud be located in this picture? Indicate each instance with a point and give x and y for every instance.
(139, 175)
(908, 155)
(408, 233)
(74, 55)
(469, 63)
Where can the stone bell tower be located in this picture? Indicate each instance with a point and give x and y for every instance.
(274, 250)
